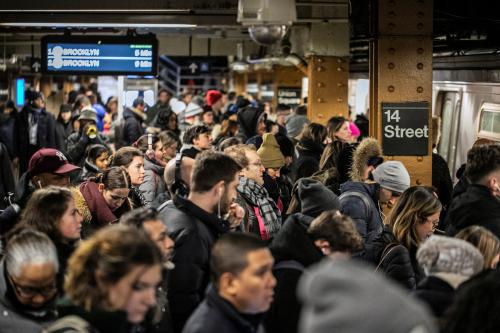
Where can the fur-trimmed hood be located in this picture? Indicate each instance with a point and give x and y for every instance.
(81, 204)
(368, 148)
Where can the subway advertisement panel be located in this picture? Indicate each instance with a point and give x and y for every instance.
(98, 55)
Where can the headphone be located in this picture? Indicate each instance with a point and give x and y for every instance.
(179, 187)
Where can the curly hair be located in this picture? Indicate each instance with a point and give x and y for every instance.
(482, 160)
(338, 230)
(112, 252)
(415, 205)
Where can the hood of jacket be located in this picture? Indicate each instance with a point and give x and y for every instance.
(310, 148)
(293, 242)
(156, 168)
(372, 189)
(367, 149)
(136, 113)
(91, 167)
(45, 313)
(248, 118)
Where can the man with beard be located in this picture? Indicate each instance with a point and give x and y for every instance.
(480, 203)
(195, 223)
(147, 219)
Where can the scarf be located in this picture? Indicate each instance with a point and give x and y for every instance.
(258, 197)
(98, 206)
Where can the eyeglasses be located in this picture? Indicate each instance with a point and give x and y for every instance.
(435, 223)
(30, 292)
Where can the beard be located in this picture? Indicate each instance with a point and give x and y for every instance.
(223, 205)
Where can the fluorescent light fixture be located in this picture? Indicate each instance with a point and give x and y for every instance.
(20, 92)
(96, 25)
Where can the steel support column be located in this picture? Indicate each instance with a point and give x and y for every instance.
(401, 68)
(328, 78)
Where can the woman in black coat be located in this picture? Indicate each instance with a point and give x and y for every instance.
(64, 126)
(309, 150)
(412, 220)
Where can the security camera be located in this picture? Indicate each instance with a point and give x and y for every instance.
(267, 34)
(267, 21)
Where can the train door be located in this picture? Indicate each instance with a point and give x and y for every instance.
(449, 105)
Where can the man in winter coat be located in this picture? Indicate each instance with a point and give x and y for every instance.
(34, 129)
(161, 110)
(242, 288)
(361, 200)
(28, 283)
(480, 203)
(262, 216)
(134, 118)
(78, 142)
(293, 251)
(195, 223)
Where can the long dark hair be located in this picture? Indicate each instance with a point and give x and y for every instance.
(44, 210)
(124, 156)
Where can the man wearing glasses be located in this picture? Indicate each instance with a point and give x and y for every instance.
(28, 283)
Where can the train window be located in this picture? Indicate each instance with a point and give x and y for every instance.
(489, 125)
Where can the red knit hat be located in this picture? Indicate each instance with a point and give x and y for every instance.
(212, 97)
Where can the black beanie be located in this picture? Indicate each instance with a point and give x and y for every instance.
(315, 197)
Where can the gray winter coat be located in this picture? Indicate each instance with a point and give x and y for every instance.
(153, 184)
(12, 320)
(364, 213)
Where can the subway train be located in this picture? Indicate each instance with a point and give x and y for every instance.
(468, 110)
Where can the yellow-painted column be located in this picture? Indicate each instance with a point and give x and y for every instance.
(401, 69)
(328, 78)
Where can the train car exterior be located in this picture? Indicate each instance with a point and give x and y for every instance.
(468, 111)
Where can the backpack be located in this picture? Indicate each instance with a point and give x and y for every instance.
(367, 202)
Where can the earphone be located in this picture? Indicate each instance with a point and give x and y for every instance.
(39, 183)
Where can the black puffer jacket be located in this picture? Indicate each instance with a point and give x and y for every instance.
(399, 263)
(366, 218)
(291, 243)
(477, 206)
(194, 232)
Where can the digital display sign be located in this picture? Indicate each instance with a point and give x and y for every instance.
(123, 55)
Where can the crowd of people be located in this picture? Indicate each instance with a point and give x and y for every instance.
(231, 215)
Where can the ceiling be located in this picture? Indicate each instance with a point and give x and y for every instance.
(461, 27)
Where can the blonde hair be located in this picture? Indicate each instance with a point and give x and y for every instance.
(484, 240)
(113, 252)
(415, 205)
